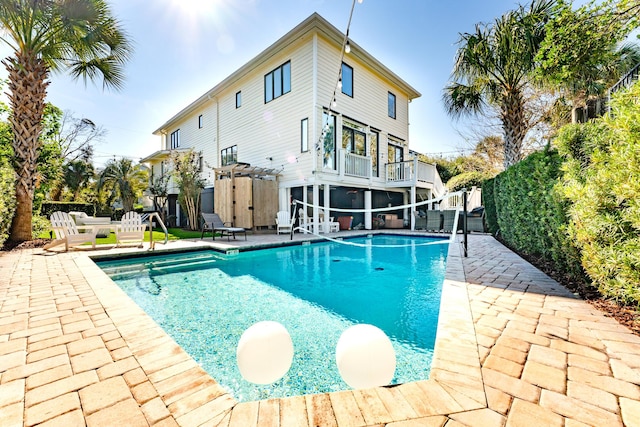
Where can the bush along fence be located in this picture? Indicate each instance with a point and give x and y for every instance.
(578, 207)
(530, 213)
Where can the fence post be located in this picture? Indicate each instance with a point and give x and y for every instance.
(464, 221)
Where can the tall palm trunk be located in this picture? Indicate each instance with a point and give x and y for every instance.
(514, 125)
(28, 88)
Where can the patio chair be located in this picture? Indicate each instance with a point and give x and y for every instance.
(475, 220)
(68, 232)
(434, 220)
(334, 226)
(131, 229)
(284, 223)
(213, 222)
(448, 218)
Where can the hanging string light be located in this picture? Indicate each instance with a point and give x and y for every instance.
(345, 48)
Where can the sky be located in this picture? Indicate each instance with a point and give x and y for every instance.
(185, 47)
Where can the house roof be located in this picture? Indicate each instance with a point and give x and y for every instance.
(315, 22)
(160, 155)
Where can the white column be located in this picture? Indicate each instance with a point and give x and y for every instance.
(283, 199)
(327, 204)
(303, 207)
(405, 200)
(367, 205)
(316, 203)
(413, 208)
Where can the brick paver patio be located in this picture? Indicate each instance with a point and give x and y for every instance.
(514, 348)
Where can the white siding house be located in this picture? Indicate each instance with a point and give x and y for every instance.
(278, 112)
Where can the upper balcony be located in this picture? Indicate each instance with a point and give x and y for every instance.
(414, 172)
(401, 174)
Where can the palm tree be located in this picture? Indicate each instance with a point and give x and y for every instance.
(123, 180)
(78, 36)
(493, 68)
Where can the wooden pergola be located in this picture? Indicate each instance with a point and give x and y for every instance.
(246, 195)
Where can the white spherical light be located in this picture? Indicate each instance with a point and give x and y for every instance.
(264, 352)
(365, 357)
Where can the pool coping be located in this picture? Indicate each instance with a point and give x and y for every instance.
(193, 397)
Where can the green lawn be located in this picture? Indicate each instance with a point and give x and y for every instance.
(158, 236)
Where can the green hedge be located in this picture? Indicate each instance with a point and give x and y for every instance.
(50, 207)
(489, 203)
(602, 179)
(7, 199)
(532, 213)
(466, 180)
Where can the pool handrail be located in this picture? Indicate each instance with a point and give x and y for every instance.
(166, 233)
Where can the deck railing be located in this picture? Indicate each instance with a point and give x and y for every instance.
(412, 171)
(356, 165)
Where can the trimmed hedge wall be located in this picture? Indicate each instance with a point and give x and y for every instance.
(7, 199)
(50, 207)
(489, 203)
(531, 211)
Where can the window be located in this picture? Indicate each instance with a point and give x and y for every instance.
(328, 141)
(392, 105)
(200, 121)
(200, 163)
(347, 80)
(277, 82)
(354, 139)
(175, 139)
(304, 135)
(373, 151)
(238, 99)
(229, 156)
(396, 152)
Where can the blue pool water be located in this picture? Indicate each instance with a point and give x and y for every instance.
(205, 300)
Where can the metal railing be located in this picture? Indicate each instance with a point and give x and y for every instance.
(159, 220)
(626, 80)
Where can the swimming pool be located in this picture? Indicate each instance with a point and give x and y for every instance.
(205, 300)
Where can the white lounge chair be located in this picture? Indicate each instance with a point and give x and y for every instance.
(131, 229)
(68, 232)
(284, 223)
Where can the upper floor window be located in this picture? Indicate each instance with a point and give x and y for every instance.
(395, 152)
(200, 121)
(238, 99)
(354, 140)
(392, 105)
(304, 135)
(277, 82)
(328, 140)
(175, 139)
(229, 156)
(347, 80)
(374, 136)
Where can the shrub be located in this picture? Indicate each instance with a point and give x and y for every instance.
(466, 180)
(532, 213)
(39, 224)
(602, 179)
(489, 203)
(7, 199)
(50, 207)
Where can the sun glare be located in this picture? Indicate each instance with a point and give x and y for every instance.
(209, 19)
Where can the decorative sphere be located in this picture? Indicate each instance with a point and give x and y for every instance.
(264, 353)
(365, 357)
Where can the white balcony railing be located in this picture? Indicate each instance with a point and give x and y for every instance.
(356, 165)
(411, 171)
